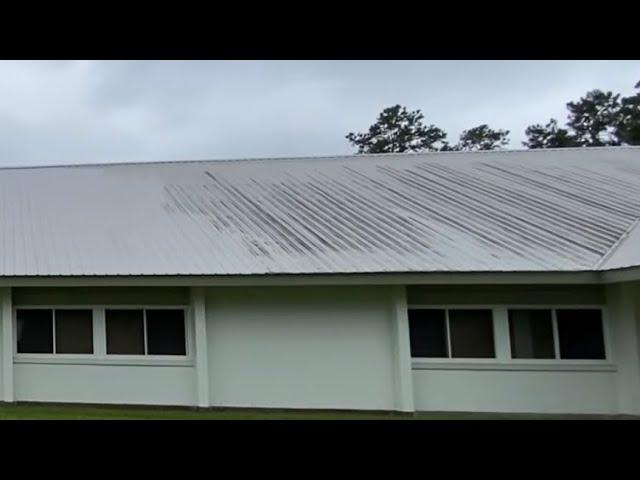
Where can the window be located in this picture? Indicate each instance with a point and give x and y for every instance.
(74, 331)
(460, 333)
(471, 333)
(63, 331)
(428, 333)
(125, 332)
(572, 334)
(531, 334)
(580, 334)
(165, 332)
(145, 332)
(34, 330)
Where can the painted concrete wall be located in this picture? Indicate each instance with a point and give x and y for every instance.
(100, 296)
(624, 310)
(305, 347)
(335, 347)
(506, 294)
(3, 358)
(515, 391)
(123, 384)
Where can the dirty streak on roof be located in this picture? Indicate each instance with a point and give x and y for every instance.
(541, 210)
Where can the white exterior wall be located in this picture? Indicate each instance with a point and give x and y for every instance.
(6, 340)
(624, 309)
(334, 347)
(301, 347)
(123, 384)
(515, 391)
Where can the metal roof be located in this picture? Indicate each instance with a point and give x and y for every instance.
(533, 210)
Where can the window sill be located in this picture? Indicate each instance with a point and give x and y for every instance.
(94, 360)
(513, 366)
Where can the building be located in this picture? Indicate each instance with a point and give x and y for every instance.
(491, 281)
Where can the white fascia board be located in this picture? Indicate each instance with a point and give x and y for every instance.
(453, 278)
(621, 275)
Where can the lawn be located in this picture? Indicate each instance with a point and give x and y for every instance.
(91, 412)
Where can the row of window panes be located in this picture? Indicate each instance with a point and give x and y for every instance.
(533, 333)
(128, 332)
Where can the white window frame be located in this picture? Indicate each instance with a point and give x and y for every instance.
(53, 333)
(448, 332)
(99, 355)
(556, 336)
(502, 342)
(144, 332)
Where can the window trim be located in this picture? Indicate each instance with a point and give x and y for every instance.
(503, 342)
(99, 355)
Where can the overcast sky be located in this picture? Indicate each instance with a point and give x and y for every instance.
(108, 111)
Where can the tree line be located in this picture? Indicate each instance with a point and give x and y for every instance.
(596, 119)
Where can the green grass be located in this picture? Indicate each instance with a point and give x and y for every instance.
(34, 411)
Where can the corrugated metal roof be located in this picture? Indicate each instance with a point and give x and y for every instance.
(536, 210)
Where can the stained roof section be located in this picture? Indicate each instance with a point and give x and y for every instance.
(540, 210)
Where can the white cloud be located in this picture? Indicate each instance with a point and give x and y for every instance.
(71, 112)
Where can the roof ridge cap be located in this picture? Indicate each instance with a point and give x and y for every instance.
(505, 151)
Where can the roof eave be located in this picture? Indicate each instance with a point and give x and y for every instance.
(429, 278)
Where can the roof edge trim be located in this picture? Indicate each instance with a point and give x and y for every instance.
(535, 151)
(618, 243)
(336, 279)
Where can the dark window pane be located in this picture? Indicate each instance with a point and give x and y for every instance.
(125, 332)
(471, 333)
(580, 334)
(531, 334)
(165, 332)
(34, 331)
(74, 331)
(428, 334)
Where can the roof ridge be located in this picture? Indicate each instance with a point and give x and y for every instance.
(325, 157)
(617, 244)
